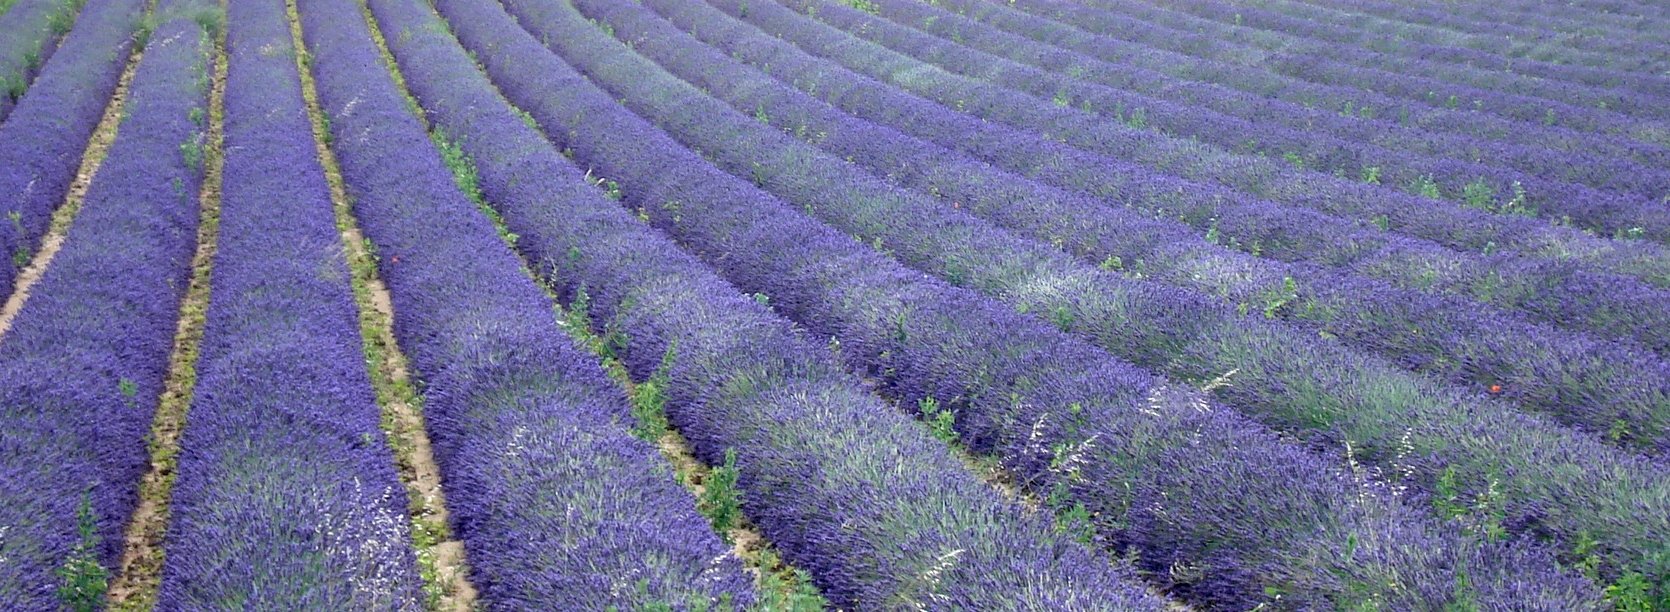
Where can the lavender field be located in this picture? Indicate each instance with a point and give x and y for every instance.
(798, 305)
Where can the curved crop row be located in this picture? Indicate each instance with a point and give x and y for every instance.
(1576, 105)
(1130, 462)
(1621, 15)
(1632, 7)
(886, 505)
(1437, 93)
(1208, 51)
(1478, 63)
(1627, 15)
(1291, 380)
(1303, 137)
(1375, 52)
(1393, 26)
(1602, 386)
(33, 30)
(1571, 25)
(45, 135)
(82, 368)
(557, 504)
(1225, 216)
(1627, 87)
(1632, 93)
(286, 494)
(1134, 61)
(822, 28)
(1571, 20)
(1418, 88)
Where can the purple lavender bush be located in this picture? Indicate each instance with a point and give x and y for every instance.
(1097, 437)
(286, 495)
(557, 504)
(1526, 43)
(1568, 26)
(46, 133)
(872, 529)
(1287, 132)
(1419, 35)
(82, 367)
(1150, 58)
(1573, 108)
(1591, 18)
(1291, 381)
(1609, 388)
(33, 30)
(1538, 288)
(1199, 49)
(1277, 181)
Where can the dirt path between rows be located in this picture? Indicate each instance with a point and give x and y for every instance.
(139, 576)
(440, 555)
(97, 147)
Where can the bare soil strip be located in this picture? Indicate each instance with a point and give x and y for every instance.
(440, 556)
(137, 581)
(97, 146)
(780, 584)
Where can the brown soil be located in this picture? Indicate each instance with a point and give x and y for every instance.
(97, 146)
(140, 574)
(746, 540)
(446, 579)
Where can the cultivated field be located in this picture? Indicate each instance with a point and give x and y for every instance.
(835, 304)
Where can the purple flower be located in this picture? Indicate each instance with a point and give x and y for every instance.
(82, 367)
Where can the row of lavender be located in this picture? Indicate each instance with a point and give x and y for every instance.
(1340, 396)
(1539, 286)
(1208, 51)
(1445, 49)
(47, 132)
(557, 504)
(32, 30)
(245, 441)
(84, 362)
(1079, 229)
(1574, 22)
(1461, 228)
(821, 462)
(1017, 388)
(1541, 72)
(1309, 138)
(1248, 45)
(640, 368)
(1553, 42)
(1575, 378)
(1571, 104)
(1623, 67)
(1335, 111)
(286, 494)
(1379, 530)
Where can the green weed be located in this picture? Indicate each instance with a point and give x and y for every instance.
(83, 580)
(721, 501)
